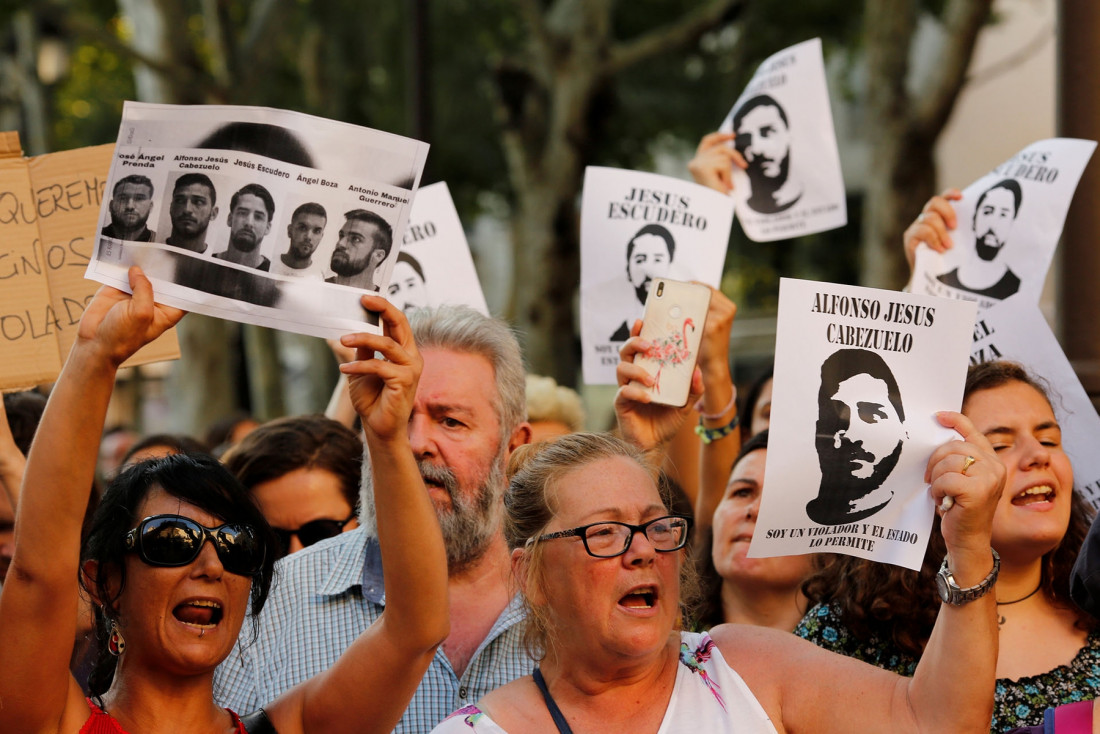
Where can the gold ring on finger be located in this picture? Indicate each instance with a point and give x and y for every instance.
(967, 464)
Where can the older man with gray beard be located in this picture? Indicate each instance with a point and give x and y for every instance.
(469, 416)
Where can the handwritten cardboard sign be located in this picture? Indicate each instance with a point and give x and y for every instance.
(49, 207)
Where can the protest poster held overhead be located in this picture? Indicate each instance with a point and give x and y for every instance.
(636, 227)
(859, 375)
(1018, 332)
(434, 266)
(1009, 223)
(257, 215)
(784, 127)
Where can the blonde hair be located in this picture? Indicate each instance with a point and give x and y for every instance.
(549, 401)
(533, 474)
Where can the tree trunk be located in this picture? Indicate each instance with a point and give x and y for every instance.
(904, 125)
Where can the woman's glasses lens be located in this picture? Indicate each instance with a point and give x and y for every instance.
(610, 539)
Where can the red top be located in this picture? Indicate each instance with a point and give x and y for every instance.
(101, 722)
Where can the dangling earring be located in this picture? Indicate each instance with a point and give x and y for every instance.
(116, 645)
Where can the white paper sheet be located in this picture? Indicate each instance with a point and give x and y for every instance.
(435, 266)
(225, 252)
(636, 226)
(784, 127)
(859, 374)
(1009, 223)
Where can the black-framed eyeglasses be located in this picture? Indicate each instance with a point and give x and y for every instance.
(174, 540)
(610, 539)
(312, 532)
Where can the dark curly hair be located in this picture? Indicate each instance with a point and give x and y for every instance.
(197, 479)
(898, 605)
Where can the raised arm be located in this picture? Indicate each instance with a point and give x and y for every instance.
(719, 442)
(811, 689)
(38, 609)
(371, 684)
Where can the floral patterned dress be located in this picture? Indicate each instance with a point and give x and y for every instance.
(709, 697)
(1017, 702)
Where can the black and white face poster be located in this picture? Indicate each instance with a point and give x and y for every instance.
(859, 375)
(257, 215)
(1021, 334)
(434, 266)
(636, 227)
(1009, 223)
(784, 127)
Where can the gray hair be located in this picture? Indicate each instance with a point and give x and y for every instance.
(463, 329)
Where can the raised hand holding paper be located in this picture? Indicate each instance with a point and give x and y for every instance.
(1009, 223)
(784, 127)
(859, 375)
(256, 215)
(636, 227)
(434, 266)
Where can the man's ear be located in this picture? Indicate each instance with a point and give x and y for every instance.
(520, 436)
(377, 256)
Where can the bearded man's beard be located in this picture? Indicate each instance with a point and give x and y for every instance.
(468, 524)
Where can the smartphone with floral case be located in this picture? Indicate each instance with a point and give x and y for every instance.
(675, 314)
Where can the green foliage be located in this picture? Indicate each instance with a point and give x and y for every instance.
(351, 61)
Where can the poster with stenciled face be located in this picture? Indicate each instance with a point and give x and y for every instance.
(1008, 225)
(793, 185)
(859, 376)
(1020, 334)
(434, 266)
(637, 227)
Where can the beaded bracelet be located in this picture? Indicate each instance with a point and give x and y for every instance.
(713, 434)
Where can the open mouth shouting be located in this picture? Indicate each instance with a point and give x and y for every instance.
(640, 598)
(201, 614)
(1040, 493)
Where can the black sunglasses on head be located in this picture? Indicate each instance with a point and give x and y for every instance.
(312, 532)
(174, 540)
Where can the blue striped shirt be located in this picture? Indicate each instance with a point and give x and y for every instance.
(322, 598)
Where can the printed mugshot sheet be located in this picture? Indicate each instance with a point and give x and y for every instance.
(256, 215)
(434, 266)
(784, 127)
(859, 375)
(1009, 223)
(635, 227)
(1021, 334)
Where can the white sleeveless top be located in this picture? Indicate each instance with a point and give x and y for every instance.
(709, 698)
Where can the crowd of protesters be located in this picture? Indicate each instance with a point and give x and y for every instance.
(450, 550)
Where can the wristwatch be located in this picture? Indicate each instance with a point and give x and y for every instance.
(952, 594)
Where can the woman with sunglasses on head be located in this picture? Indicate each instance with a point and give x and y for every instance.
(598, 561)
(170, 603)
(303, 471)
